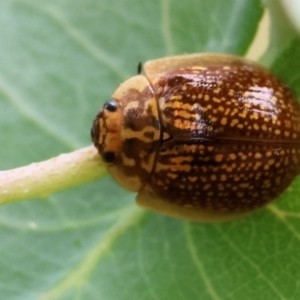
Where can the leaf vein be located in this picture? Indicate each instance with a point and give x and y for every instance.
(251, 263)
(191, 247)
(79, 276)
(166, 26)
(33, 115)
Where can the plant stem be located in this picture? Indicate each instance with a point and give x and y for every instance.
(39, 180)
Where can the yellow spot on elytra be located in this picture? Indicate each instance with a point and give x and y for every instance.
(246, 94)
(176, 97)
(277, 131)
(182, 113)
(229, 169)
(221, 187)
(192, 178)
(278, 180)
(217, 100)
(223, 177)
(234, 122)
(217, 90)
(273, 99)
(203, 179)
(206, 97)
(206, 187)
(264, 127)
(271, 162)
(282, 152)
(258, 155)
(267, 183)
(224, 121)
(268, 153)
(258, 175)
(236, 178)
(219, 157)
(243, 114)
(255, 126)
(178, 124)
(287, 123)
(257, 165)
(234, 112)
(172, 175)
(213, 177)
(232, 156)
(227, 111)
(231, 92)
(244, 185)
(242, 165)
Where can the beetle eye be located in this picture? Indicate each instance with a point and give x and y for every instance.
(108, 156)
(111, 105)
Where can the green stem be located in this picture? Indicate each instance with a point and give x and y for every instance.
(39, 180)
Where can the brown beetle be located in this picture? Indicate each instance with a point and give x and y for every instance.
(204, 137)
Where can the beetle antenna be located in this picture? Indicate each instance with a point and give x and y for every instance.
(139, 68)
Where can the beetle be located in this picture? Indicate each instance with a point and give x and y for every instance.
(203, 137)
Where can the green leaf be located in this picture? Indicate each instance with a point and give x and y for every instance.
(287, 65)
(282, 31)
(60, 60)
